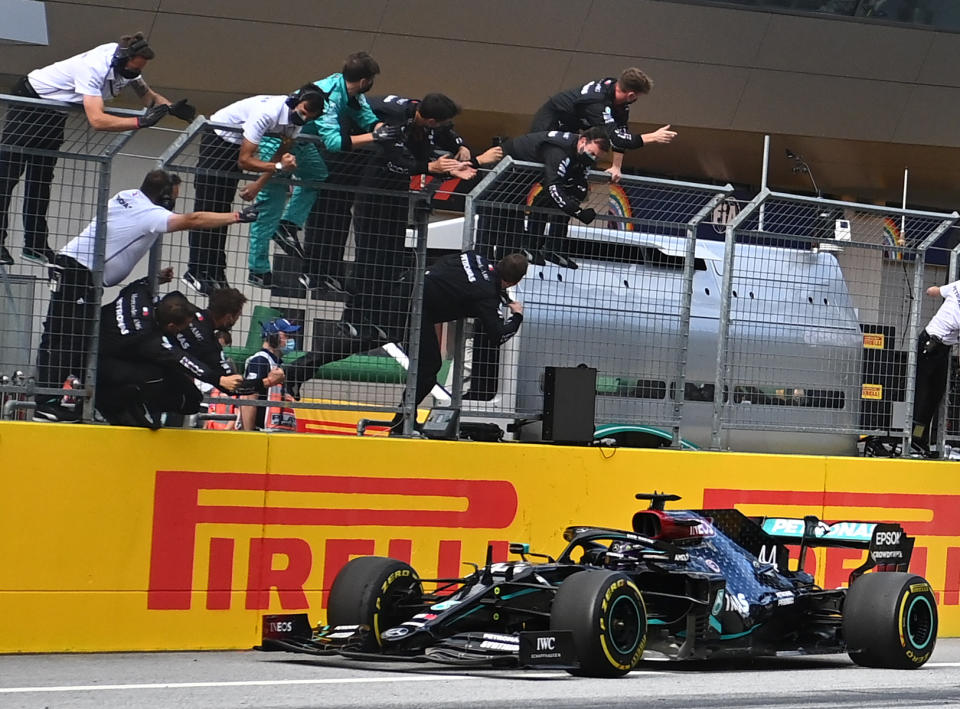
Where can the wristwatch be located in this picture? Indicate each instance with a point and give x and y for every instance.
(278, 166)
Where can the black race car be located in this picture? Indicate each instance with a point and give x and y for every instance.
(683, 584)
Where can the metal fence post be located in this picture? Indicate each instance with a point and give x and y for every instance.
(420, 211)
(726, 292)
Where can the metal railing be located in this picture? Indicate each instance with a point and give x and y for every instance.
(796, 332)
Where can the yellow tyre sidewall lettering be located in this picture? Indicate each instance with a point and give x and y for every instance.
(604, 604)
(399, 573)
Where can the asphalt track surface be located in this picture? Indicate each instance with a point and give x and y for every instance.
(283, 680)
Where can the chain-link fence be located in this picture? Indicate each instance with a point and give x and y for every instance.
(338, 249)
(54, 182)
(820, 310)
(617, 296)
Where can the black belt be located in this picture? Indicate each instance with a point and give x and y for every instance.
(23, 88)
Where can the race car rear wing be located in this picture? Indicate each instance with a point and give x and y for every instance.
(890, 548)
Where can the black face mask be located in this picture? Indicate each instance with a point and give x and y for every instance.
(166, 201)
(587, 159)
(129, 73)
(297, 118)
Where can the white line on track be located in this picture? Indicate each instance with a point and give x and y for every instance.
(248, 683)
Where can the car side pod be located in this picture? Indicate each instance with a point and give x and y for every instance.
(890, 620)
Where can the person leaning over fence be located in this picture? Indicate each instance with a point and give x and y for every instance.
(602, 103)
(567, 159)
(264, 370)
(87, 79)
(202, 337)
(141, 371)
(135, 219)
(464, 285)
(404, 146)
(224, 154)
(346, 123)
(933, 361)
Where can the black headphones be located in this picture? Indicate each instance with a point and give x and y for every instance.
(122, 54)
(273, 339)
(166, 198)
(309, 92)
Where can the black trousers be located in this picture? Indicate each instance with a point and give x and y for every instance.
(382, 262)
(545, 119)
(122, 383)
(547, 231)
(216, 184)
(328, 226)
(68, 329)
(26, 129)
(932, 366)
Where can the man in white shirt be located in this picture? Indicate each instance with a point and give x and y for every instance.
(225, 154)
(87, 79)
(135, 219)
(933, 360)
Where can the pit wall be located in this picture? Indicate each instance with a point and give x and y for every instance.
(124, 539)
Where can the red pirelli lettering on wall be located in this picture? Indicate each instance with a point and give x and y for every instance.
(177, 512)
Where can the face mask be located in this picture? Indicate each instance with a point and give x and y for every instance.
(587, 159)
(166, 202)
(129, 73)
(297, 118)
(290, 346)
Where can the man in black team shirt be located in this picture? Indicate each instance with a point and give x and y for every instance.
(567, 159)
(142, 372)
(602, 103)
(465, 285)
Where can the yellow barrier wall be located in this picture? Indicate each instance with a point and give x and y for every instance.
(123, 539)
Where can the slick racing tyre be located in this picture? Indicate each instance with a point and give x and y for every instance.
(605, 612)
(377, 592)
(890, 620)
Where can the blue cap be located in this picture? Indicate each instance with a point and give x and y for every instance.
(272, 327)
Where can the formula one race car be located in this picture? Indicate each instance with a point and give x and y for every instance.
(684, 584)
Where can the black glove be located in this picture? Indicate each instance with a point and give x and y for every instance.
(152, 116)
(586, 215)
(183, 110)
(387, 134)
(248, 214)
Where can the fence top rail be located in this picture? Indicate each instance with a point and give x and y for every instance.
(602, 176)
(875, 208)
(101, 149)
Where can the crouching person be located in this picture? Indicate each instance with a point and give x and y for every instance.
(141, 371)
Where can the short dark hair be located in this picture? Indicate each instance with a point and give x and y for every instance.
(633, 79)
(137, 46)
(439, 107)
(158, 182)
(513, 267)
(360, 65)
(174, 309)
(314, 97)
(598, 134)
(225, 301)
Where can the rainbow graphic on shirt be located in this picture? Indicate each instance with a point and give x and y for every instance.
(532, 194)
(893, 237)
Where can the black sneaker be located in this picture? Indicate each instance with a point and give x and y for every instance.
(263, 280)
(286, 238)
(200, 282)
(219, 280)
(559, 259)
(51, 412)
(42, 256)
(322, 283)
(5, 258)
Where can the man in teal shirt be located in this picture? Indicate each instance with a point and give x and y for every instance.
(345, 107)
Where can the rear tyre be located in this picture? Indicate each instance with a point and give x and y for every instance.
(605, 612)
(374, 591)
(890, 620)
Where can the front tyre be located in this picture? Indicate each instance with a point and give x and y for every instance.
(890, 620)
(606, 614)
(375, 591)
